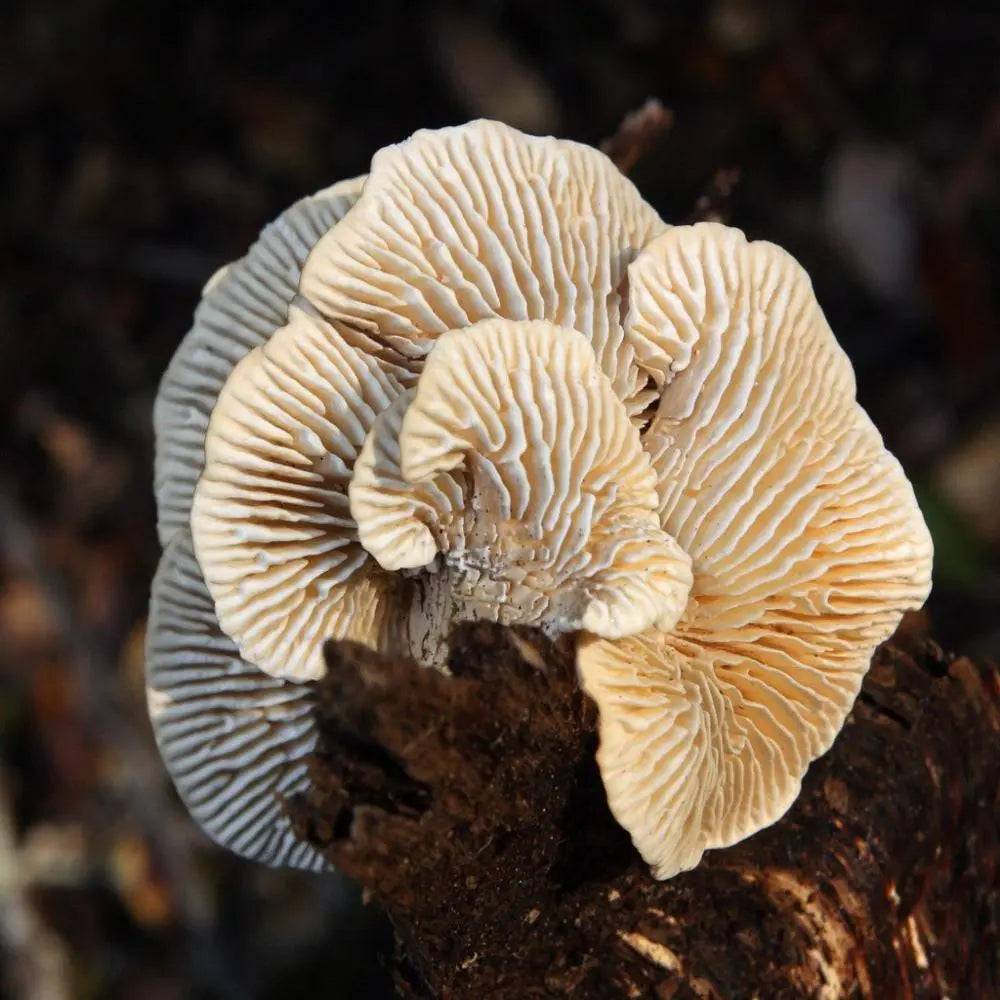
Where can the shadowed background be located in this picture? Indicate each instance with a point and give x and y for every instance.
(145, 144)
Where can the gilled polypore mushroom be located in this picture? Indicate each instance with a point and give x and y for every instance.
(487, 381)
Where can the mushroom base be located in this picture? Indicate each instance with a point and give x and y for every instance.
(485, 584)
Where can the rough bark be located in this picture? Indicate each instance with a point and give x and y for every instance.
(471, 807)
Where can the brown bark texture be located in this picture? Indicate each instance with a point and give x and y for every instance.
(470, 806)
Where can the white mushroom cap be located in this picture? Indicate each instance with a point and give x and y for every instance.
(447, 415)
(515, 459)
(270, 520)
(480, 222)
(545, 228)
(241, 307)
(234, 739)
(398, 521)
(805, 538)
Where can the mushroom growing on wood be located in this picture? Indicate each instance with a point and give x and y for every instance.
(498, 386)
(514, 460)
(805, 537)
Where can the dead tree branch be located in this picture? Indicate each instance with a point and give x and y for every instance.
(472, 808)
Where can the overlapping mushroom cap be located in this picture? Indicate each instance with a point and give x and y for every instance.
(489, 382)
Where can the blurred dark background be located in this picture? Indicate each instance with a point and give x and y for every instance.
(145, 143)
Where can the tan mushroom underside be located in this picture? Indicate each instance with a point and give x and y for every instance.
(451, 228)
(515, 460)
(806, 542)
(428, 407)
(270, 518)
(481, 222)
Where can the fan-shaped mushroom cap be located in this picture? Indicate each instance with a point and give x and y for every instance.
(515, 459)
(479, 222)
(427, 407)
(806, 542)
(234, 739)
(270, 520)
(241, 307)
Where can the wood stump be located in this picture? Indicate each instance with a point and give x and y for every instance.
(471, 808)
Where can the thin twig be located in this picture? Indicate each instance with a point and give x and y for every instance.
(639, 131)
(715, 204)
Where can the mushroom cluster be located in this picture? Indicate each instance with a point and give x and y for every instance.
(487, 381)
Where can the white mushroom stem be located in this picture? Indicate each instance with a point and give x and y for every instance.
(515, 460)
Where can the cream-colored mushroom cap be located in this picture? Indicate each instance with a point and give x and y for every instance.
(515, 460)
(482, 222)
(491, 383)
(270, 520)
(451, 228)
(806, 542)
